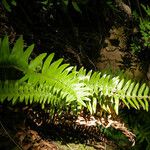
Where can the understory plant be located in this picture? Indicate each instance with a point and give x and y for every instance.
(138, 122)
(60, 86)
(142, 41)
(145, 27)
(7, 4)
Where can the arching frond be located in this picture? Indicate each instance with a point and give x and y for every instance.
(62, 86)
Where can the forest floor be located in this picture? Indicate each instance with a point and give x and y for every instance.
(18, 133)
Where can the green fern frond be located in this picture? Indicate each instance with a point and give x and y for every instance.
(62, 86)
(16, 57)
(110, 91)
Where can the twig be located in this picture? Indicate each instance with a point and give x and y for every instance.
(9, 136)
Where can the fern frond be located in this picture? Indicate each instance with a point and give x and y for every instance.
(110, 91)
(61, 85)
(16, 57)
(62, 78)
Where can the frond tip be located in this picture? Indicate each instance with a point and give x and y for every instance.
(16, 57)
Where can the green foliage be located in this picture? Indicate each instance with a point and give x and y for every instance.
(139, 122)
(7, 5)
(142, 41)
(147, 9)
(63, 87)
(17, 57)
(135, 47)
(112, 6)
(64, 4)
(145, 27)
(115, 136)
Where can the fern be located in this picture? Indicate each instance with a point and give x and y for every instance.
(61, 86)
(17, 57)
(7, 4)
